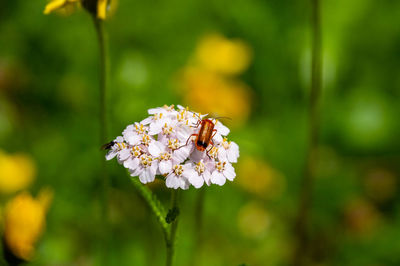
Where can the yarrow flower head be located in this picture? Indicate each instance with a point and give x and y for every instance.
(181, 146)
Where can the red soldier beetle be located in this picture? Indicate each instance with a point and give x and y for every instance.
(206, 133)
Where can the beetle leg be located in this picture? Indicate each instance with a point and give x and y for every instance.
(214, 132)
(212, 146)
(197, 124)
(187, 142)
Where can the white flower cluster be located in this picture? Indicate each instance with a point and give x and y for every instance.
(165, 144)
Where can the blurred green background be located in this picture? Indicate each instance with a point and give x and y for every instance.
(49, 112)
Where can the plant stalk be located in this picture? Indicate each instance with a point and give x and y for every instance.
(103, 66)
(102, 104)
(154, 204)
(198, 222)
(170, 240)
(302, 221)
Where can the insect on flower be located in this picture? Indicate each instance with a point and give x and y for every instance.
(108, 145)
(206, 133)
(154, 147)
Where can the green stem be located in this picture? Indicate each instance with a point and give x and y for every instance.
(103, 65)
(168, 222)
(198, 216)
(309, 170)
(154, 204)
(102, 100)
(170, 240)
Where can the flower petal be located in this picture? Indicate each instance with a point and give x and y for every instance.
(233, 152)
(218, 178)
(184, 184)
(221, 129)
(153, 111)
(207, 177)
(132, 138)
(153, 170)
(155, 128)
(197, 155)
(229, 172)
(101, 9)
(165, 167)
(172, 181)
(143, 176)
(193, 177)
(155, 148)
(217, 138)
(119, 139)
(182, 153)
(54, 5)
(111, 154)
(147, 120)
(124, 154)
(131, 163)
(222, 154)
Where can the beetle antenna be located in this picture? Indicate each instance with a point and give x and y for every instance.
(223, 117)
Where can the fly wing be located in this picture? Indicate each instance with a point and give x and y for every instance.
(107, 146)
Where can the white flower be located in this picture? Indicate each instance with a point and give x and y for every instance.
(157, 122)
(198, 173)
(118, 145)
(167, 157)
(228, 151)
(133, 133)
(132, 162)
(221, 131)
(164, 144)
(165, 163)
(223, 171)
(168, 110)
(146, 169)
(176, 178)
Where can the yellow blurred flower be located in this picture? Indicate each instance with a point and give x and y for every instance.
(98, 7)
(258, 177)
(211, 93)
(24, 222)
(221, 55)
(17, 171)
(101, 9)
(64, 6)
(209, 83)
(253, 220)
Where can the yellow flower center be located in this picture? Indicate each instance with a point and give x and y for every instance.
(200, 168)
(173, 144)
(140, 128)
(226, 144)
(146, 160)
(157, 116)
(167, 130)
(220, 166)
(165, 156)
(213, 153)
(181, 116)
(146, 139)
(178, 170)
(121, 145)
(136, 151)
(169, 108)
